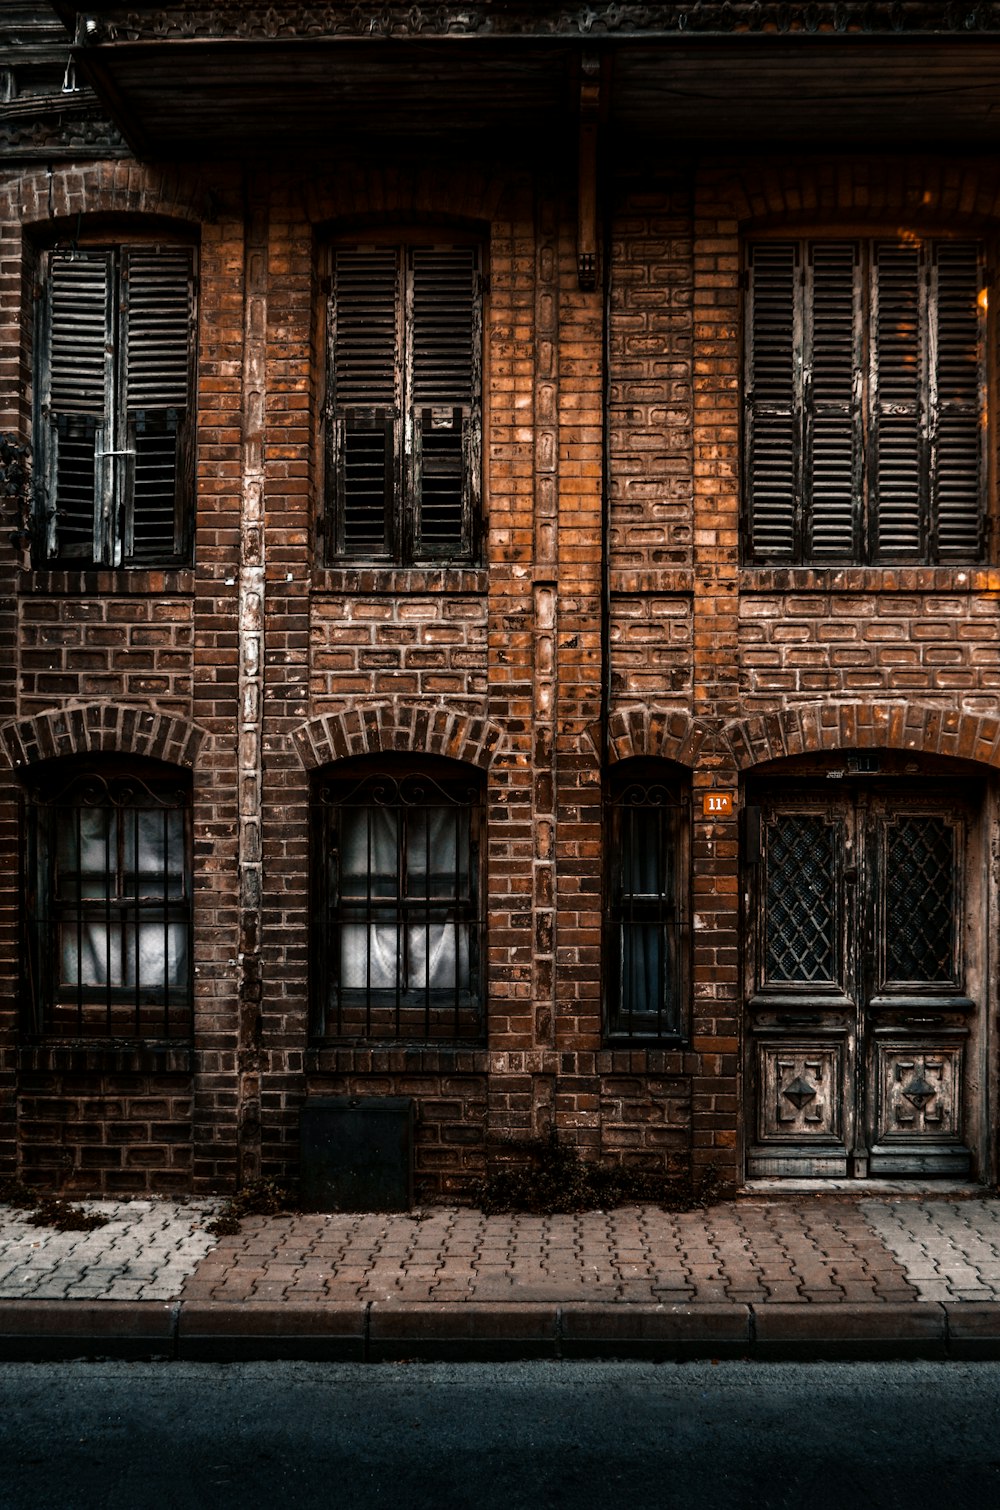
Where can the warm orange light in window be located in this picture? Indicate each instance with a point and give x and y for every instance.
(983, 300)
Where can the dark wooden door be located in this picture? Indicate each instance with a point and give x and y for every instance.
(864, 1012)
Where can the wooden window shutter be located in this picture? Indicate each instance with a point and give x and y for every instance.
(957, 401)
(898, 459)
(76, 389)
(833, 413)
(364, 419)
(444, 343)
(157, 322)
(773, 420)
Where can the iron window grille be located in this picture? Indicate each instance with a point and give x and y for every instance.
(865, 402)
(403, 415)
(647, 915)
(108, 907)
(114, 414)
(399, 947)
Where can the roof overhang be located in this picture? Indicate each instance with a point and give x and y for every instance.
(248, 80)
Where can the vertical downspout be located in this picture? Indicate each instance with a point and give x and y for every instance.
(604, 212)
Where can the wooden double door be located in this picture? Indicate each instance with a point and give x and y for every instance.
(864, 1010)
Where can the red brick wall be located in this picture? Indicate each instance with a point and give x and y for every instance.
(260, 663)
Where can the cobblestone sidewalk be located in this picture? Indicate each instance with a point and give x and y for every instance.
(145, 1252)
(743, 1252)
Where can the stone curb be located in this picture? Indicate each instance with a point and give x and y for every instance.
(34, 1330)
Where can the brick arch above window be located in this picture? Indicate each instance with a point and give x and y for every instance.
(368, 729)
(832, 725)
(657, 733)
(106, 191)
(126, 729)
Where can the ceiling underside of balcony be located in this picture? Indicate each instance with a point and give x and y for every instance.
(695, 95)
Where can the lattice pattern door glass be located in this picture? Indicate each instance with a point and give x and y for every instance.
(920, 900)
(801, 912)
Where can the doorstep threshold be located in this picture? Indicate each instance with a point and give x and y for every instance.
(874, 1189)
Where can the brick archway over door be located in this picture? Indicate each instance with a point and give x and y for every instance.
(832, 725)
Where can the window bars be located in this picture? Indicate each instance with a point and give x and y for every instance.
(647, 920)
(398, 953)
(109, 909)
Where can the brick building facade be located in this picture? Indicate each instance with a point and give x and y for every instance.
(715, 798)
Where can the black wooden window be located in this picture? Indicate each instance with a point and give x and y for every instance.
(398, 921)
(403, 411)
(108, 893)
(865, 402)
(647, 916)
(113, 433)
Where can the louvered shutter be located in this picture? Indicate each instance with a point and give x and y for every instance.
(957, 401)
(157, 310)
(898, 457)
(366, 405)
(443, 338)
(773, 400)
(833, 416)
(76, 390)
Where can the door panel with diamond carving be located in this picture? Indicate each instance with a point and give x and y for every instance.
(863, 982)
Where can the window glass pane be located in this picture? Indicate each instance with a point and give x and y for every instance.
(644, 973)
(162, 952)
(437, 955)
(86, 840)
(642, 852)
(90, 954)
(369, 953)
(368, 851)
(437, 852)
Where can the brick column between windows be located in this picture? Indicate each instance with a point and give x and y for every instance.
(251, 683)
(545, 607)
(716, 1025)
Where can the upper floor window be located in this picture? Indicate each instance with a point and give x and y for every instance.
(403, 403)
(114, 412)
(398, 909)
(865, 397)
(647, 913)
(108, 901)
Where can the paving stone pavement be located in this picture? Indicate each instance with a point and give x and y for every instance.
(747, 1252)
(743, 1252)
(145, 1251)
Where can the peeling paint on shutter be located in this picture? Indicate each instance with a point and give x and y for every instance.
(898, 472)
(957, 400)
(75, 399)
(865, 401)
(157, 315)
(365, 421)
(773, 420)
(442, 339)
(833, 440)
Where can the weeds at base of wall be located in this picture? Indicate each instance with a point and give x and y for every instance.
(551, 1177)
(257, 1198)
(49, 1210)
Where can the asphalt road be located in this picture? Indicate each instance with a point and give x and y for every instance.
(500, 1436)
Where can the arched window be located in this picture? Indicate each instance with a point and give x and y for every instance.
(108, 901)
(398, 900)
(647, 866)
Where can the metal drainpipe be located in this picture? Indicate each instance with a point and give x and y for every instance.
(605, 214)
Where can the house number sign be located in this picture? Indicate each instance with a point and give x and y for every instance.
(717, 804)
